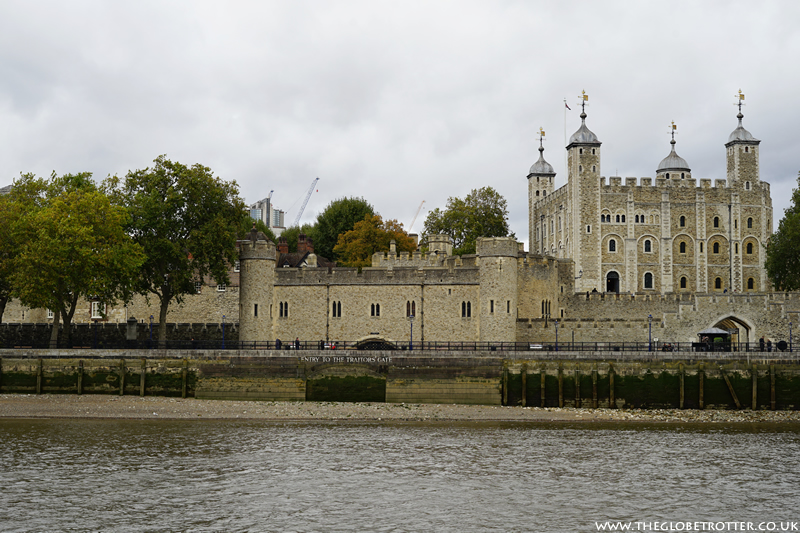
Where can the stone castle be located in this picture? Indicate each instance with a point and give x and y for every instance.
(662, 259)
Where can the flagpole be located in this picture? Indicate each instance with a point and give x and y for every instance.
(566, 173)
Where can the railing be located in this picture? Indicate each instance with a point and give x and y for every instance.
(374, 344)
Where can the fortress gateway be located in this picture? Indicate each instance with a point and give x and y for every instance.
(667, 257)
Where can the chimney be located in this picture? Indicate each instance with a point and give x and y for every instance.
(283, 246)
(304, 244)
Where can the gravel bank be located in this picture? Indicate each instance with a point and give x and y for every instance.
(134, 407)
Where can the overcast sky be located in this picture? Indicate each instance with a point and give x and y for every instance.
(398, 102)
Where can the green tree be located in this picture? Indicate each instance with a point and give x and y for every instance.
(483, 213)
(186, 220)
(339, 217)
(71, 244)
(8, 249)
(292, 233)
(355, 247)
(783, 249)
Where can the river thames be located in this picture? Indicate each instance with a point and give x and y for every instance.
(176, 475)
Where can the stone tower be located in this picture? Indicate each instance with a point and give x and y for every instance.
(256, 284)
(497, 267)
(583, 164)
(540, 184)
(742, 154)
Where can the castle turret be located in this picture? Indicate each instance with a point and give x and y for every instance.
(540, 185)
(256, 284)
(497, 267)
(673, 166)
(742, 154)
(583, 164)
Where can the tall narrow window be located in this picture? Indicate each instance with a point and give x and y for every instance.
(683, 222)
(751, 284)
(749, 248)
(749, 223)
(718, 283)
(255, 310)
(716, 222)
(612, 245)
(701, 247)
(683, 282)
(648, 247)
(716, 247)
(648, 280)
(491, 306)
(683, 247)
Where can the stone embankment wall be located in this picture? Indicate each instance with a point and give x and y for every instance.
(584, 380)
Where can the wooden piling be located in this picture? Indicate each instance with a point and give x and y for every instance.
(682, 384)
(772, 387)
(121, 377)
(543, 378)
(185, 375)
(730, 388)
(701, 375)
(754, 372)
(1, 374)
(505, 384)
(524, 379)
(612, 397)
(142, 376)
(560, 385)
(594, 386)
(577, 387)
(80, 377)
(39, 373)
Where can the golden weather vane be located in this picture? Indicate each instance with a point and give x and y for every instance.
(739, 100)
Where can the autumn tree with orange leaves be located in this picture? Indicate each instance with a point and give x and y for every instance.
(355, 247)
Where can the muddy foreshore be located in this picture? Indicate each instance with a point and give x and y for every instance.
(132, 407)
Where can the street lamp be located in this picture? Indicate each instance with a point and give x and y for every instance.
(556, 323)
(411, 338)
(223, 332)
(649, 333)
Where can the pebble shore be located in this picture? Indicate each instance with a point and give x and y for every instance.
(134, 407)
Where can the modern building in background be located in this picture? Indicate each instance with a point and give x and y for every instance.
(265, 212)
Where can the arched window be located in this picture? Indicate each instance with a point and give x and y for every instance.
(375, 310)
(466, 309)
(682, 175)
(718, 283)
(648, 246)
(636, 219)
(667, 175)
(623, 218)
(747, 185)
(751, 284)
(594, 168)
(749, 248)
(612, 245)
(716, 247)
(683, 282)
(617, 218)
(683, 247)
(411, 308)
(580, 150)
(537, 193)
(592, 151)
(544, 193)
(746, 149)
(716, 222)
(683, 221)
(750, 223)
(648, 280)
(701, 247)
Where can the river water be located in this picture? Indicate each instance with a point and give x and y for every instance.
(130, 475)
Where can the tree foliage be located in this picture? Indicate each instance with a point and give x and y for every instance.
(186, 220)
(483, 213)
(339, 217)
(8, 249)
(292, 233)
(355, 247)
(71, 244)
(783, 249)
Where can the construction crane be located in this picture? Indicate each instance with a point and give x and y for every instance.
(305, 202)
(416, 215)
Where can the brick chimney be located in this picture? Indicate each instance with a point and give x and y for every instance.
(304, 244)
(283, 246)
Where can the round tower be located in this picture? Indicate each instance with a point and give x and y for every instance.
(256, 285)
(583, 182)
